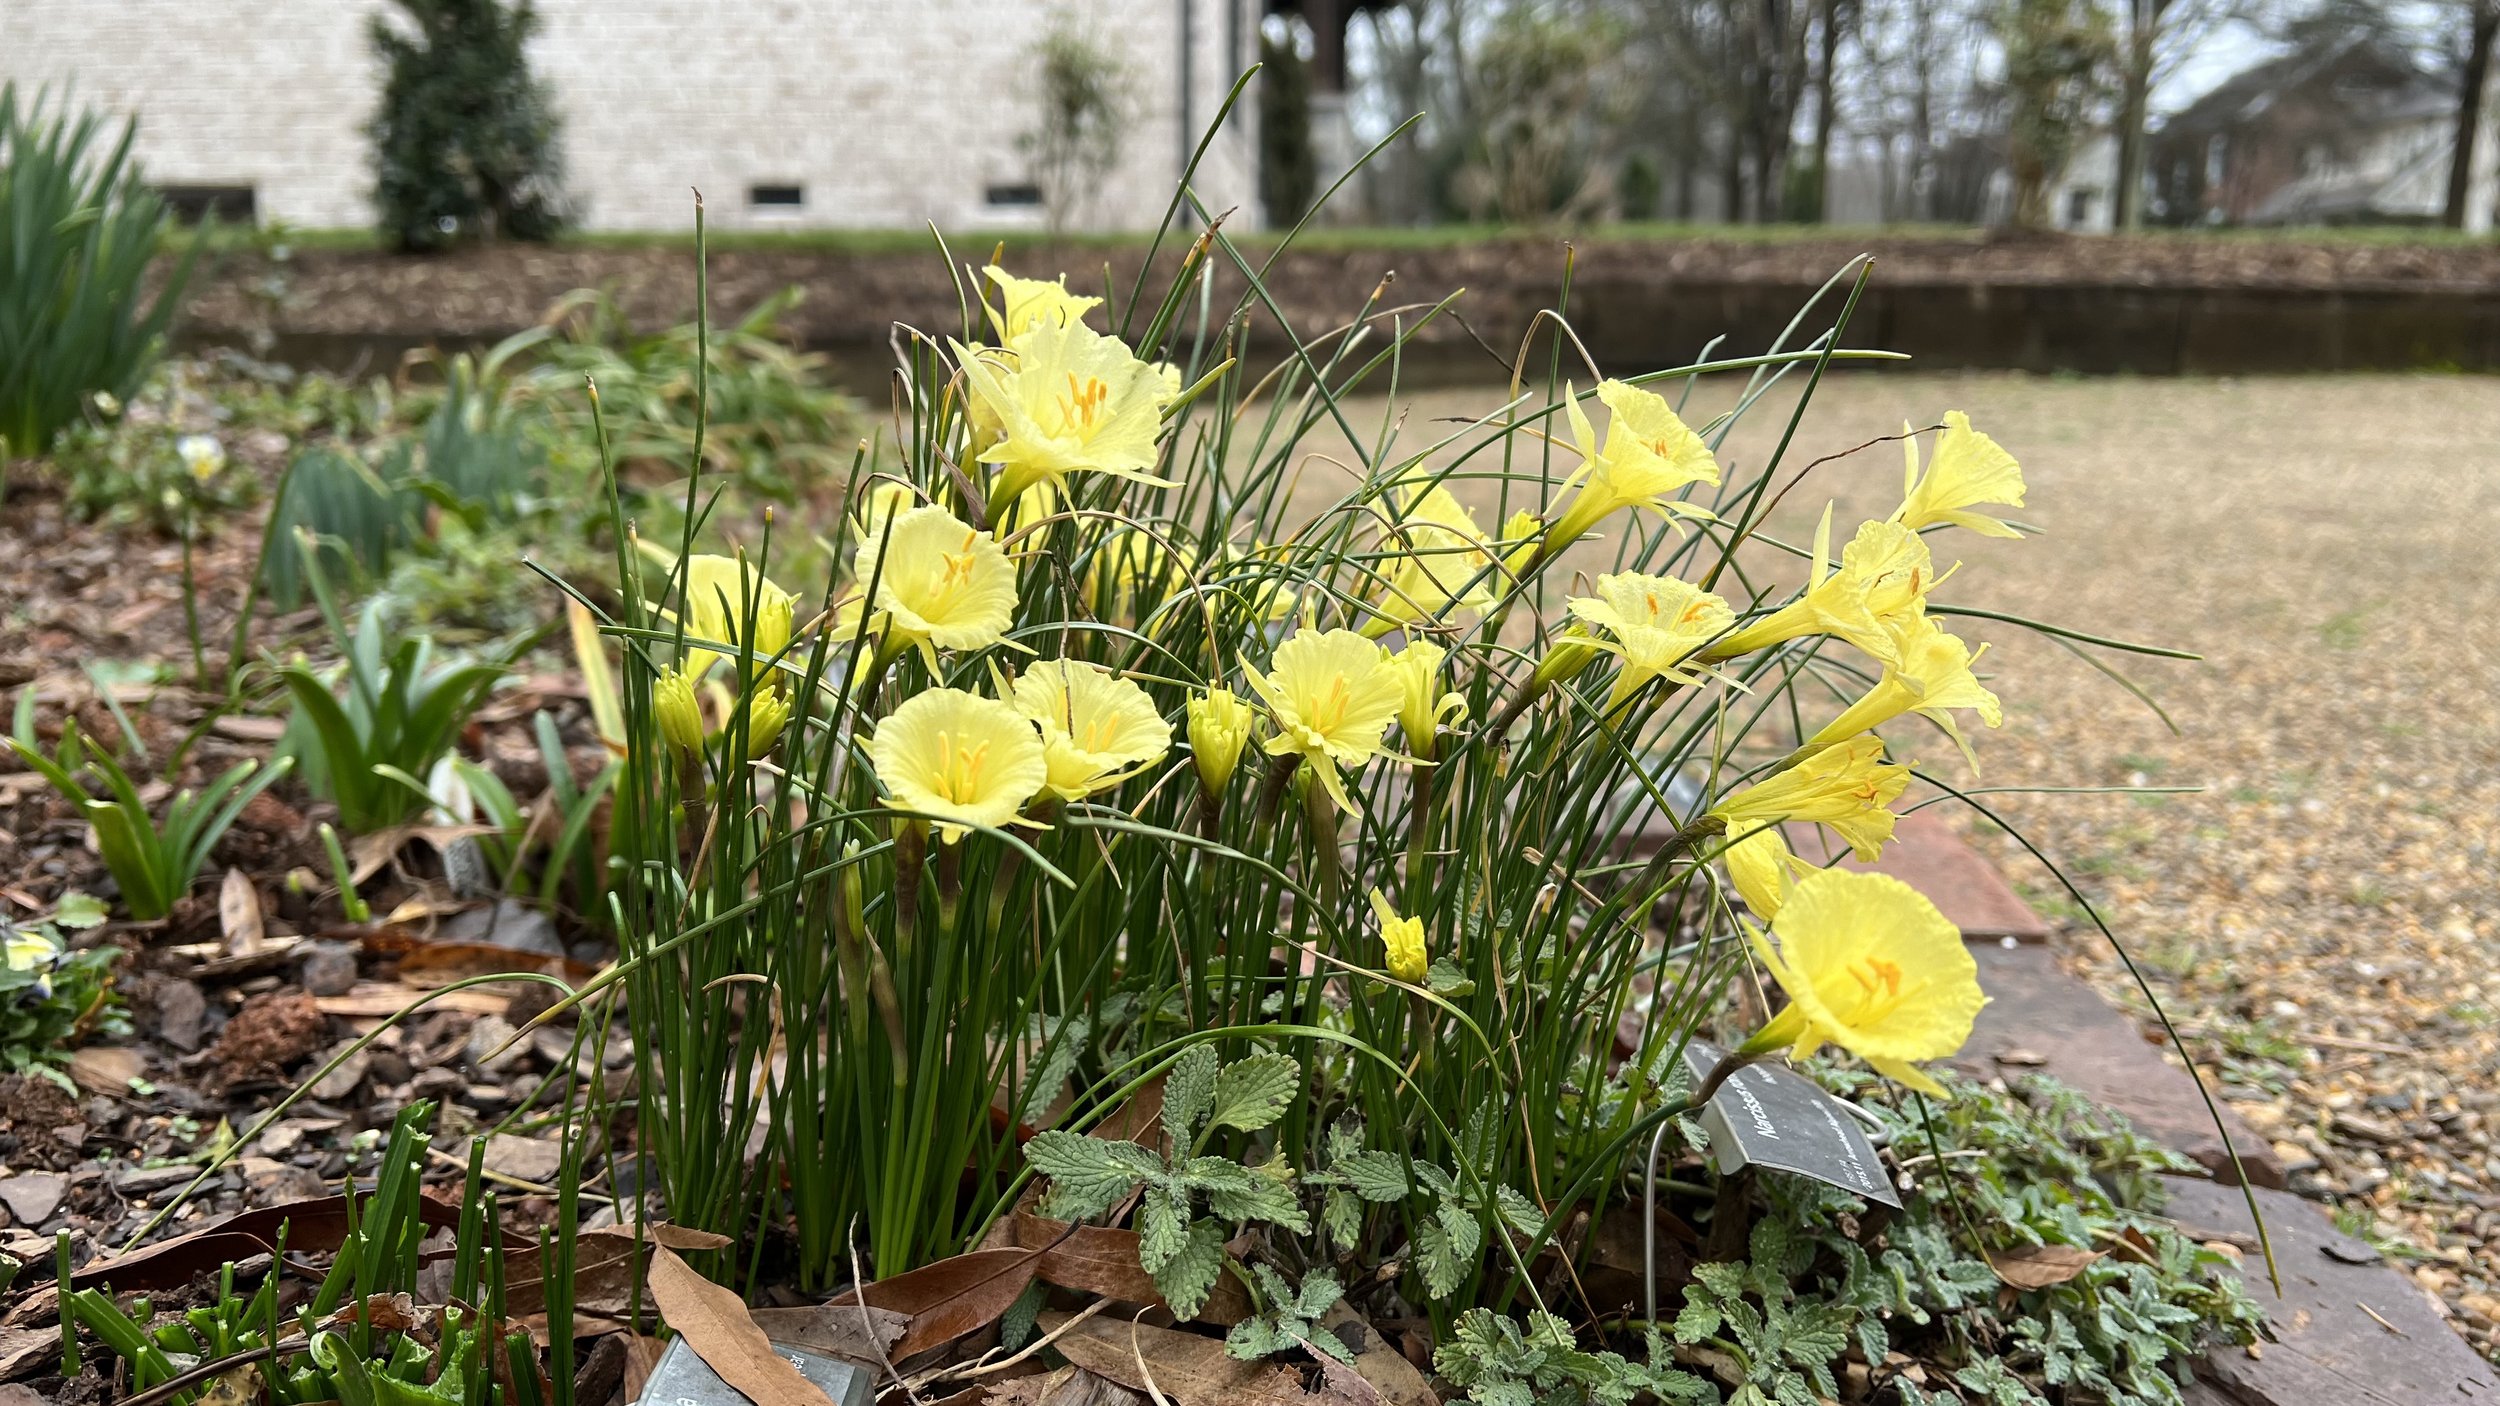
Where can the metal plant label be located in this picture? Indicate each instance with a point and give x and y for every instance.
(684, 1379)
(1766, 1115)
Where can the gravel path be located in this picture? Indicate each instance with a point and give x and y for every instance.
(2321, 918)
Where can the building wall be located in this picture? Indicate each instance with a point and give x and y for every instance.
(888, 115)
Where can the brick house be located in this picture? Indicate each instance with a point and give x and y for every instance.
(787, 114)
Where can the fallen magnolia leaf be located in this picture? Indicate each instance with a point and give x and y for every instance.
(854, 1332)
(1189, 1368)
(1377, 1362)
(238, 915)
(714, 1323)
(313, 1227)
(950, 1298)
(2040, 1266)
(1102, 1260)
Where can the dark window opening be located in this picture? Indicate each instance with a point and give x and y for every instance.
(1024, 194)
(232, 205)
(785, 197)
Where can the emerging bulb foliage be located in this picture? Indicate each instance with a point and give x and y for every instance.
(959, 760)
(1847, 787)
(1870, 965)
(1403, 940)
(1098, 729)
(1967, 470)
(1219, 730)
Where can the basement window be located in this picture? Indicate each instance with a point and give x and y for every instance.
(229, 205)
(777, 197)
(1022, 194)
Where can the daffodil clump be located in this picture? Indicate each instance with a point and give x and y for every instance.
(1148, 707)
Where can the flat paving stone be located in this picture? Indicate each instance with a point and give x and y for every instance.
(2040, 1018)
(2349, 1332)
(1927, 855)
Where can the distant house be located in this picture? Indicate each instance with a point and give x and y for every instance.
(2344, 130)
(790, 114)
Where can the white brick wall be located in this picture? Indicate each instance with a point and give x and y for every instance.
(889, 114)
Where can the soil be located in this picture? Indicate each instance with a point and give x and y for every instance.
(853, 298)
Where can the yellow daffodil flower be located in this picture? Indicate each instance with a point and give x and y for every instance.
(1404, 939)
(1067, 399)
(1764, 871)
(942, 585)
(1877, 594)
(718, 592)
(1027, 303)
(1424, 706)
(1656, 624)
(1931, 673)
(1444, 563)
(1219, 730)
(1847, 787)
(1098, 729)
(885, 500)
(1648, 455)
(1333, 696)
(1966, 470)
(1871, 966)
(673, 705)
(1573, 652)
(1521, 536)
(959, 759)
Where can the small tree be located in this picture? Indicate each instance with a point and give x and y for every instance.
(464, 142)
(1288, 165)
(2057, 53)
(1086, 100)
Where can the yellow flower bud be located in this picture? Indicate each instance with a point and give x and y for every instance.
(1426, 706)
(1219, 730)
(1403, 938)
(768, 712)
(681, 720)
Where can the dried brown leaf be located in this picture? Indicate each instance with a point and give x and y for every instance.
(714, 1323)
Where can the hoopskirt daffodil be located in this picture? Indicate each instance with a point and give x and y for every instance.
(1764, 871)
(1871, 966)
(719, 592)
(1424, 707)
(1648, 455)
(1403, 940)
(1444, 561)
(1066, 399)
(1931, 674)
(958, 760)
(939, 585)
(1333, 696)
(1219, 730)
(1847, 787)
(1878, 593)
(1098, 729)
(1027, 303)
(1655, 624)
(1966, 470)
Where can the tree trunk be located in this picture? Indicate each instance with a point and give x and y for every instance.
(2486, 23)
(2126, 209)
(1828, 25)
